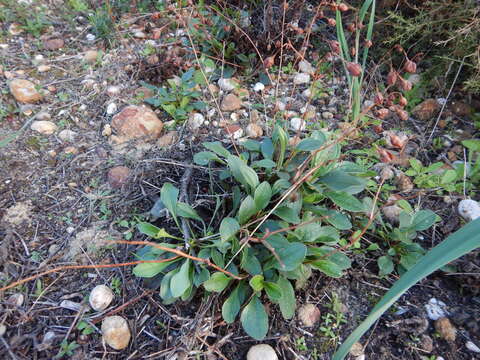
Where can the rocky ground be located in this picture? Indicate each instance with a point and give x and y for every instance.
(83, 155)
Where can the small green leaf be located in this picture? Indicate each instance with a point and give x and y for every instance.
(256, 283)
(231, 306)
(385, 264)
(449, 176)
(181, 281)
(228, 228)
(186, 211)
(251, 145)
(217, 148)
(274, 292)
(148, 270)
(217, 282)
(291, 255)
(423, 219)
(472, 144)
(309, 144)
(262, 196)
(169, 196)
(264, 163)
(333, 217)
(250, 263)
(267, 148)
(328, 268)
(338, 180)
(247, 209)
(345, 201)
(287, 214)
(287, 301)
(204, 157)
(254, 319)
(242, 172)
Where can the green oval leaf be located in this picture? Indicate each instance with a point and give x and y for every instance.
(345, 201)
(247, 209)
(262, 196)
(254, 319)
(217, 282)
(287, 301)
(228, 228)
(181, 281)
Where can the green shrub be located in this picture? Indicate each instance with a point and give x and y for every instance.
(289, 207)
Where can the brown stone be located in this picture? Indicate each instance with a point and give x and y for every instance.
(309, 315)
(90, 56)
(118, 176)
(426, 110)
(168, 139)
(24, 91)
(136, 122)
(254, 130)
(445, 328)
(461, 109)
(116, 332)
(231, 103)
(53, 44)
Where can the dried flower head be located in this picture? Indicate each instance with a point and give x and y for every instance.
(410, 66)
(354, 69)
(392, 77)
(378, 99)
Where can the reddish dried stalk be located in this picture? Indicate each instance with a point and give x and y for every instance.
(79, 267)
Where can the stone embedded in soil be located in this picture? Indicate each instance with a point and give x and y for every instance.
(305, 67)
(426, 343)
(327, 115)
(426, 110)
(261, 352)
(70, 150)
(309, 315)
(195, 121)
(24, 91)
(53, 44)
(404, 183)
(19, 214)
(470, 345)
(356, 349)
(227, 84)
(116, 332)
(234, 131)
(436, 309)
(167, 139)
(111, 108)
(43, 127)
(461, 109)
(469, 209)
(118, 176)
(136, 122)
(67, 135)
(392, 213)
(16, 300)
(43, 68)
(231, 102)
(297, 124)
(445, 328)
(100, 297)
(258, 87)
(301, 78)
(90, 56)
(107, 130)
(254, 130)
(3, 329)
(113, 90)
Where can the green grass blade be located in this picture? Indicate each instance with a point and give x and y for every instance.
(368, 37)
(344, 53)
(456, 245)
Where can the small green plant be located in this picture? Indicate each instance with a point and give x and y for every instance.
(332, 321)
(179, 98)
(116, 285)
(78, 6)
(473, 161)
(435, 176)
(102, 25)
(290, 205)
(403, 251)
(85, 328)
(66, 349)
(301, 344)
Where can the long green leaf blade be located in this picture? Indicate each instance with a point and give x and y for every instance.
(456, 245)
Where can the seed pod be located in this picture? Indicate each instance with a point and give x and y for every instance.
(333, 7)
(353, 51)
(335, 46)
(410, 67)
(331, 22)
(383, 113)
(354, 69)
(378, 99)
(402, 101)
(351, 27)
(343, 7)
(405, 85)
(368, 44)
(402, 114)
(269, 61)
(392, 77)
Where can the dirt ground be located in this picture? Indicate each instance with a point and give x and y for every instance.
(59, 207)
